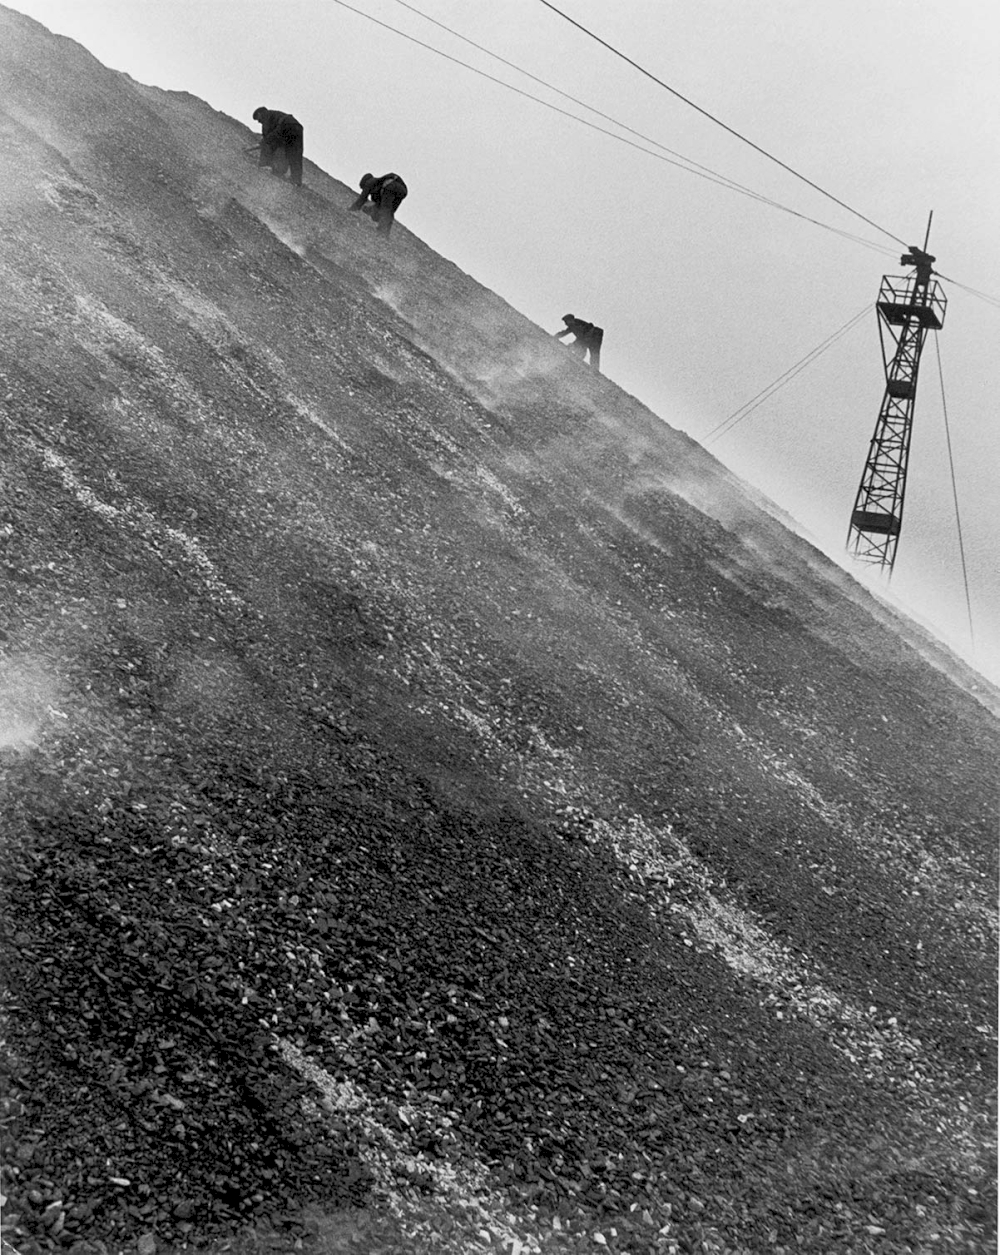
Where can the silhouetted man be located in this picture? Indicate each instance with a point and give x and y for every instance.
(588, 338)
(280, 143)
(384, 194)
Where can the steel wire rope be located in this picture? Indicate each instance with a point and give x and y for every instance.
(690, 168)
(765, 394)
(954, 493)
(983, 296)
(718, 121)
(691, 163)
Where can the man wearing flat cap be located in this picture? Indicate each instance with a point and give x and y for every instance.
(280, 143)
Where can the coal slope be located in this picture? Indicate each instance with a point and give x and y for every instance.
(443, 809)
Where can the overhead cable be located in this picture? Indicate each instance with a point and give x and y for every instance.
(575, 99)
(691, 167)
(714, 175)
(765, 394)
(718, 121)
(954, 493)
(983, 296)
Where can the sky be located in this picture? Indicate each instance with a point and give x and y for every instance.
(706, 294)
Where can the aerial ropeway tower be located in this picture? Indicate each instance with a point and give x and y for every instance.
(908, 307)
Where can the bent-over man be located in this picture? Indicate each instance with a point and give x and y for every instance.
(280, 143)
(383, 195)
(588, 338)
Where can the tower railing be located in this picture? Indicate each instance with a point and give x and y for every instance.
(902, 297)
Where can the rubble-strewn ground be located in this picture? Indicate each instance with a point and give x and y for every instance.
(443, 810)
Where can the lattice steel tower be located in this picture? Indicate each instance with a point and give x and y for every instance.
(908, 307)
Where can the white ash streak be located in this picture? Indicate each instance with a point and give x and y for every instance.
(749, 949)
(460, 1190)
(310, 414)
(161, 537)
(473, 480)
(949, 881)
(114, 331)
(657, 855)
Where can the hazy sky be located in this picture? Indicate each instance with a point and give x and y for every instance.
(705, 294)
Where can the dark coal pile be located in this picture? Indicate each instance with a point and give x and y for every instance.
(442, 809)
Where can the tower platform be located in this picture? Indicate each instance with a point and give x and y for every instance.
(875, 521)
(899, 313)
